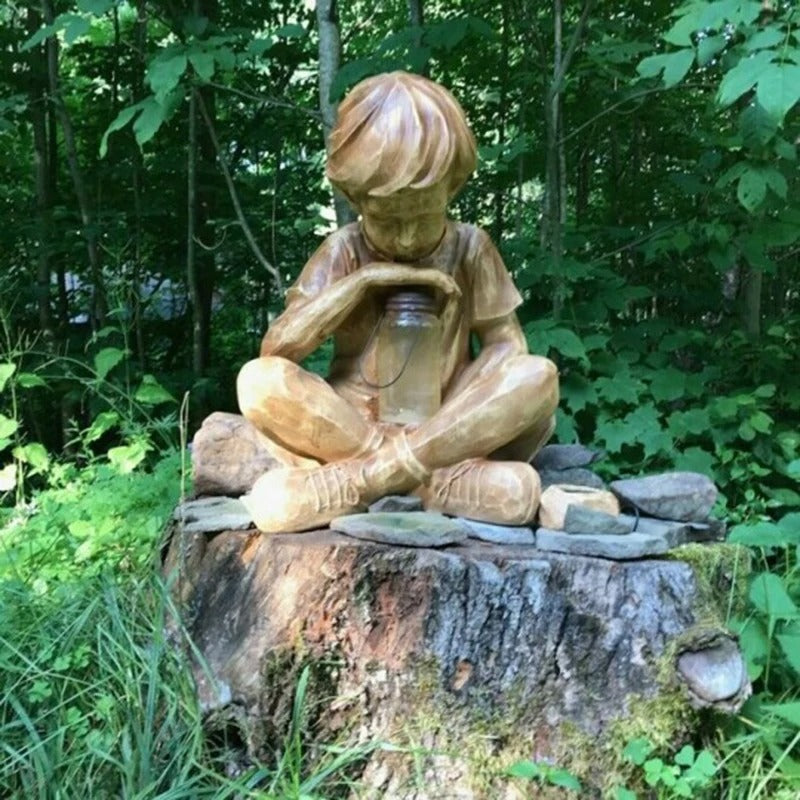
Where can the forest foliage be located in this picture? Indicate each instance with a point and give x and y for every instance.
(161, 184)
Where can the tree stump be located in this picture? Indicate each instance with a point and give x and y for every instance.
(466, 658)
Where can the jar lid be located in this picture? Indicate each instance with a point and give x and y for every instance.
(415, 298)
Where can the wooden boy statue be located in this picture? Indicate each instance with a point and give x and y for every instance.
(400, 151)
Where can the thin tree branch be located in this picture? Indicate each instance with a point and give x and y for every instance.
(237, 206)
(577, 33)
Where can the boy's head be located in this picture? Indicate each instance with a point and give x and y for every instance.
(399, 132)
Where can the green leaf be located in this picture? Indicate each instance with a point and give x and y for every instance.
(762, 534)
(766, 37)
(676, 66)
(776, 182)
(7, 369)
(695, 459)
(637, 750)
(291, 31)
(667, 385)
(768, 594)
(96, 7)
(787, 711)
(779, 88)
(743, 77)
(8, 426)
(29, 380)
(622, 388)
(119, 122)
(149, 121)
(680, 34)
(75, 28)
(785, 150)
(106, 360)
(528, 770)
(704, 768)
(708, 47)
(761, 422)
(165, 72)
(790, 644)
(752, 188)
(127, 457)
(578, 392)
(151, 392)
(685, 756)
(766, 390)
(694, 421)
(614, 434)
(644, 427)
(101, 424)
(621, 793)
(793, 469)
(746, 432)
(34, 454)
(564, 779)
(203, 63)
(757, 126)
(565, 342)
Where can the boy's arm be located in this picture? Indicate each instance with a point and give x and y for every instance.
(500, 339)
(307, 323)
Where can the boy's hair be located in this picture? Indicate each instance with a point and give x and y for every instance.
(399, 131)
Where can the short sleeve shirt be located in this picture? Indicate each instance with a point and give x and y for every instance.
(465, 252)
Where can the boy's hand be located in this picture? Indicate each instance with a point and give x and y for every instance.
(390, 274)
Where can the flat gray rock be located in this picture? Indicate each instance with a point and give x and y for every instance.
(575, 476)
(712, 530)
(496, 534)
(396, 503)
(673, 495)
(580, 519)
(651, 538)
(212, 514)
(565, 456)
(410, 529)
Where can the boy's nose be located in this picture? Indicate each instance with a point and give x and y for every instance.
(407, 235)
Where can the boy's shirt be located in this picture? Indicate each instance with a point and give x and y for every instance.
(465, 252)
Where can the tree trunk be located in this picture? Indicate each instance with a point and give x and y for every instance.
(472, 657)
(330, 52)
(752, 283)
(555, 196)
(138, 278)
(97, 311)
(44, 189)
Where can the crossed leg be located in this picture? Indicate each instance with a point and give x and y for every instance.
(508, 413)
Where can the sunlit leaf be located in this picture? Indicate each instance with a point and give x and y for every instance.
(7, 369)
(106, 360)
(768, 594)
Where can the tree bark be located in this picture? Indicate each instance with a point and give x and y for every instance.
(330, 52)
(97, 311)
(44, 190)
(752, 283)
(555, 200)
(497, 651)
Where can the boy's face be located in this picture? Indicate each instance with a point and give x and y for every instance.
(407, 225)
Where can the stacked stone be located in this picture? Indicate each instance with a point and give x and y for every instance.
(579, 514)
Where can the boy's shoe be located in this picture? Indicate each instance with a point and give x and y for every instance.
(502, 492)
(299, 499)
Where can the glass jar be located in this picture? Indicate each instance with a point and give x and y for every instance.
(409, 358)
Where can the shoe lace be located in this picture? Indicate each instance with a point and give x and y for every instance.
(333, 486)
(460, 483)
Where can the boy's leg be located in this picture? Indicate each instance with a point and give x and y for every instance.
(515, 403)
(302, 413)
